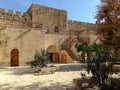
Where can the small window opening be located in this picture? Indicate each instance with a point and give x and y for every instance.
(56, 29)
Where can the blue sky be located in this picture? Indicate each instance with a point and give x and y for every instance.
(79, 10)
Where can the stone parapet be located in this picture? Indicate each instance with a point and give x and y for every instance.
(77, 26)
(18, 14)
(11, 19)
(2, 10)
(10, 12)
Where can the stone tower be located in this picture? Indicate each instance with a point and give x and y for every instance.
(47, 18)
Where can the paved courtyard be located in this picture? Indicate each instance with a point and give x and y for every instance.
(26, 78)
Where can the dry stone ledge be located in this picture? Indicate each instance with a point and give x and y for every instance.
(48, 70)
(82, 83)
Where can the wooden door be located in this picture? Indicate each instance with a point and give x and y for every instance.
(56, 57)
(15, 57)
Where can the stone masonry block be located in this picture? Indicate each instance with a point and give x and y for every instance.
(10, 12)
(2, 10)
(18, 13)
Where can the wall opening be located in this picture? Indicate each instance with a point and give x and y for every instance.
(54, 54)
(56, 29)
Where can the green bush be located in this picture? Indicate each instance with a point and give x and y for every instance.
(41, 59)
(100, 60)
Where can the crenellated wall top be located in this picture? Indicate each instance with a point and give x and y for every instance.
(10, 12)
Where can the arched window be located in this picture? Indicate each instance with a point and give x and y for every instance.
(56, 29)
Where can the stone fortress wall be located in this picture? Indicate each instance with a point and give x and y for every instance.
(77, 25)
(43, 17)
(39, 28)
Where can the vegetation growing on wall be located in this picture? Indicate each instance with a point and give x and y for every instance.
(3, 37)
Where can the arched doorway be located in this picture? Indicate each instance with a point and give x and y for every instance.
(15, 57)
(63, 58)
(54, 53)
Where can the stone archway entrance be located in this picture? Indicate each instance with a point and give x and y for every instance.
(54, 54)
(15, 57)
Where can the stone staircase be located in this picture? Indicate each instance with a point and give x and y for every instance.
(68, 43)
(70, 53)
(79, 39)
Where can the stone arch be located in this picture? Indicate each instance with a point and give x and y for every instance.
(54, 53)
(63, 57)
(15, 57)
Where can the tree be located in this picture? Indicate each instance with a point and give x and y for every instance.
(108, 18)
(101, 57)
(100, 60)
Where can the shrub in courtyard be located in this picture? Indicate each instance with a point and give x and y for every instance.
(41, 59)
